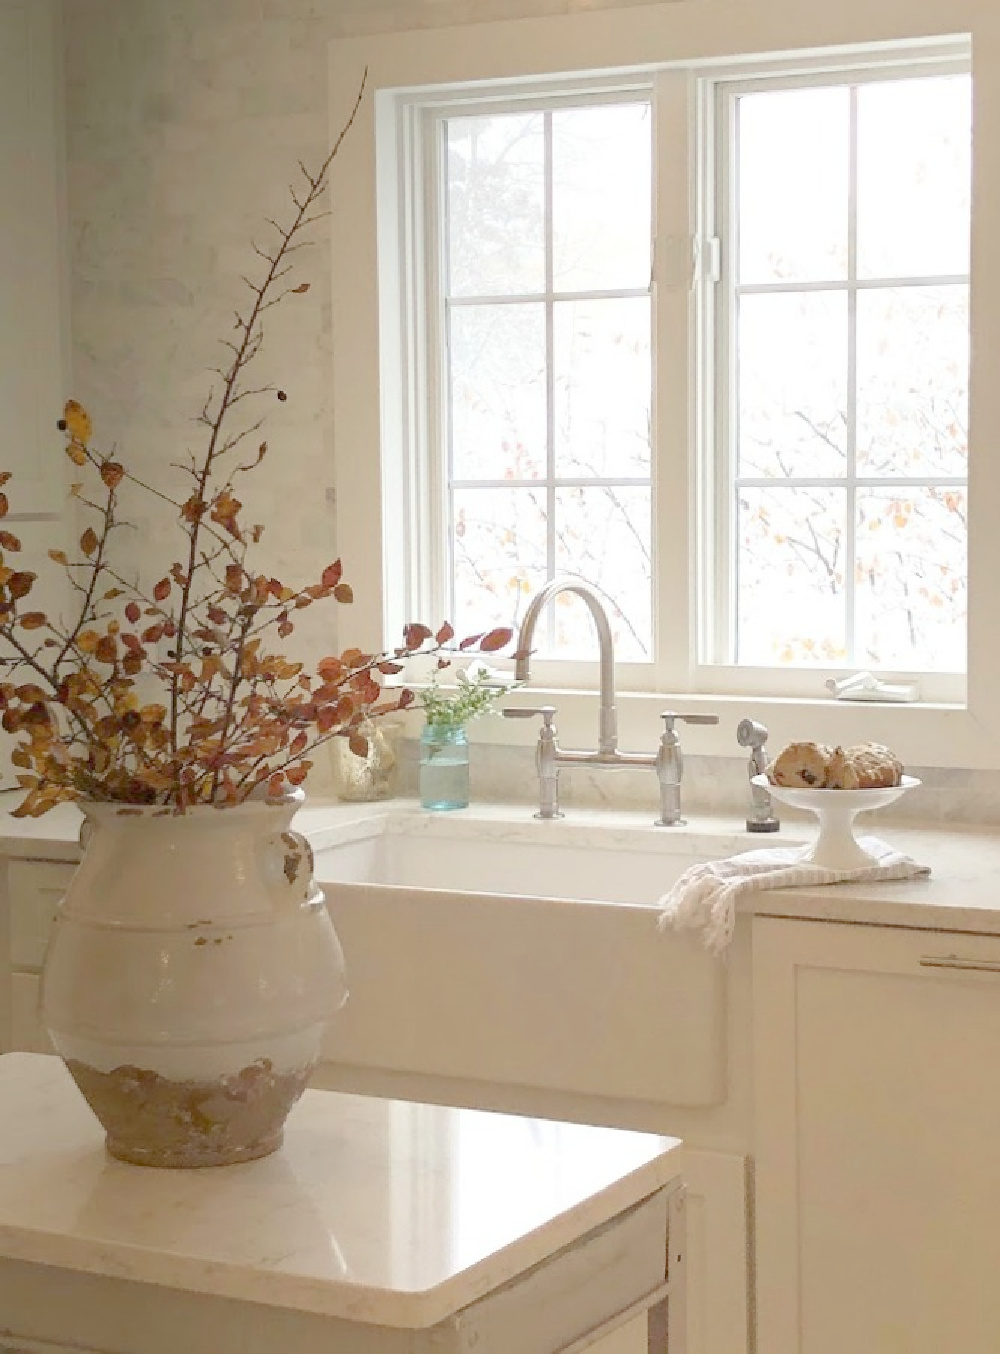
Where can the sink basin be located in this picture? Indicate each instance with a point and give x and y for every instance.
(527, 858)
(494, 948)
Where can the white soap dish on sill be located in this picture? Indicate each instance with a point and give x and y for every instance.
(836, 847)
(865, 686)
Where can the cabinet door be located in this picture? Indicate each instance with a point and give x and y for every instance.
(877, 1140)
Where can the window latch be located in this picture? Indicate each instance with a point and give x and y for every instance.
(682, 261)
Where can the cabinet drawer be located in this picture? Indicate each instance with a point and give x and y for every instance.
(36, 888)
(26, 1033)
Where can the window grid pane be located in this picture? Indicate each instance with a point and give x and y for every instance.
(859, 382)
(548, 366)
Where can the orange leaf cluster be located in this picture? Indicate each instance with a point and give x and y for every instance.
(236, 716)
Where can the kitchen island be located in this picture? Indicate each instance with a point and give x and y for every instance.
(380, 1227)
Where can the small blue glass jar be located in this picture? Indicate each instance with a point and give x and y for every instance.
(444, 767)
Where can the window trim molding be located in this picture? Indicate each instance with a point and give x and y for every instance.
(617, 39)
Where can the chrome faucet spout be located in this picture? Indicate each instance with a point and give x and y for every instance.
(607, 741)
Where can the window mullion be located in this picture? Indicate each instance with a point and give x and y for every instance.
(431, 587)
(675, 535)
(851, 503)
(550, 380)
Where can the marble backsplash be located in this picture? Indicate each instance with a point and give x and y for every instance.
(506, 774)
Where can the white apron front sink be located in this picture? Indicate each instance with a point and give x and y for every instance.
(491, 947)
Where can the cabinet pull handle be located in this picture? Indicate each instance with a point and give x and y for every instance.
(955, 961)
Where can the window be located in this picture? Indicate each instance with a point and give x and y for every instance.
(844, 209)
(700, 334)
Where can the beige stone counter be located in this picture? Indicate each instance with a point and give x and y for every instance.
(962, 892)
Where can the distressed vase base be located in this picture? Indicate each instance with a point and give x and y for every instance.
(151, 1120)
(180, 1160)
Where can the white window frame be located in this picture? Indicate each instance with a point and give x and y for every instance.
(683, 42)
(719, 89)
(689, 108)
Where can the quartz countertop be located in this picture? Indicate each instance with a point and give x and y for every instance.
(380, 1211)
(962, 892)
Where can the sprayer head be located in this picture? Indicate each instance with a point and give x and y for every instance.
(750, 734)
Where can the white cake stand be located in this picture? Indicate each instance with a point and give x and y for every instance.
(836, 847)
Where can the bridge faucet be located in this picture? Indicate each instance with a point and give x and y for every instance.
(667, 761)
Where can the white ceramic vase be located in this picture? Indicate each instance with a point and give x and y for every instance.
(190, 977)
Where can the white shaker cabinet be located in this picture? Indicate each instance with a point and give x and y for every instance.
(877, 1126)
(34, 890)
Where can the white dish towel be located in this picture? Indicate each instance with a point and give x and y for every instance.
(705, 897)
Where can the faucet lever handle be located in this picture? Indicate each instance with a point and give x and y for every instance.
(668, 717)
(547, 712)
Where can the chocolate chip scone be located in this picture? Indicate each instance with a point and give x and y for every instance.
(801, 766)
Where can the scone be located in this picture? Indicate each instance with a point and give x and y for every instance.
(865, 766)
(802, 766)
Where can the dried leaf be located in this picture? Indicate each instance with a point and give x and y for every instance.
(415, 634)
(20, 584)
(496, 639)
(76, 421)
(162, 590)
(107, 650)
(303, 286)
(332, 574)
(9, 541)
(225, 508)
(33, 620)
(29, 693)
(112, 474)
(343, 592)
(59, 556)
(194, 509)
(89, 541)
(358, 744)
(132, 612)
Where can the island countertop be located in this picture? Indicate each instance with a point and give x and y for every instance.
(382, 1211)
